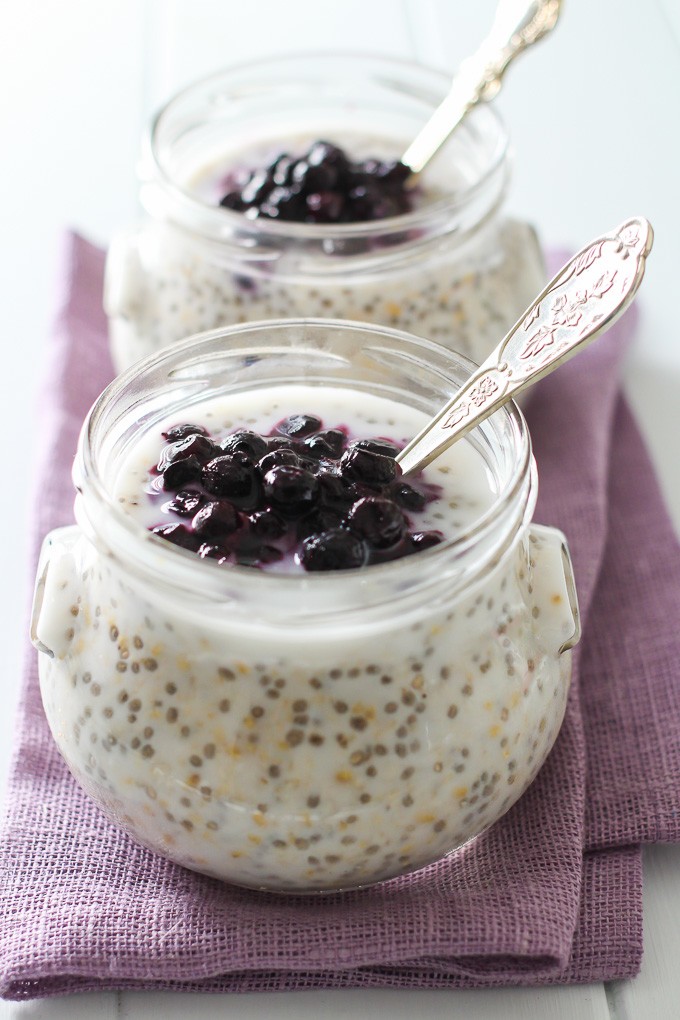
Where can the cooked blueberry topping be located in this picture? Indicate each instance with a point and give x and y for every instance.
(304, 491)
(379, 521)
(338, 549)
(323, 185)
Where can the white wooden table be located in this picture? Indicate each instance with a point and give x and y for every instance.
(593, 116)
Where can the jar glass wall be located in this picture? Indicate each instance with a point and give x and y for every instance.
(308, 732)
(455, 269)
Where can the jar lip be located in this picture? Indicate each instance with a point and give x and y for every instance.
(130, 529)
(190, 203)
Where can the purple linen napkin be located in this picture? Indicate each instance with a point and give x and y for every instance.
(551, 894)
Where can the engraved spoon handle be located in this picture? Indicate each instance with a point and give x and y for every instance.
(517, 25)
(588, 294)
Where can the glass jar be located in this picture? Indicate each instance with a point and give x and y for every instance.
(312, 731)
(455, 270)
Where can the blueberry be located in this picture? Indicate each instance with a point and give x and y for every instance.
(180, 472)
(281, 169)
(257, 188)
(232, 476)
(257, 554)
(216, 519)
(277, 457)
(252, 445)
(290, 490)
(323, 153)
(394, 173)
(280, 443)
(408, 497)
(232, 200)
(283, 203)
(379, 521)
(297, 426)
(328, 443)
(185, 503)
(179, 535)
(320, 519)
(337, 549)
(213, 551)
(373, 469)
(182, 431)
(336, 491)
(425, 540)
(324, 206)
(267, 524)
(382, 446)
(193, 445)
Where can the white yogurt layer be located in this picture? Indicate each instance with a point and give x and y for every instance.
(292, 752)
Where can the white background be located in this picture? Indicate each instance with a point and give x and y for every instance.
(593, 116)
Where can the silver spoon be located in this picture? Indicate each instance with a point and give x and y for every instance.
(588, 294)
(517, 25)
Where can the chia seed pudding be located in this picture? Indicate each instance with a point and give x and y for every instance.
(294, 731)
(454, 268)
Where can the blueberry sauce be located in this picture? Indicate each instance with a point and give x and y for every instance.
(306, 491)
(323, 185)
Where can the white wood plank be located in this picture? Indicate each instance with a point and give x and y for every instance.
(70, 1007)
(656, 992)
(576, 1003)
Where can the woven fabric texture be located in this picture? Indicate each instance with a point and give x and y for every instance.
(550, 894)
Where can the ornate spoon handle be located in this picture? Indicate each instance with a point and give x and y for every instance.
(592, 290)
(517, 25)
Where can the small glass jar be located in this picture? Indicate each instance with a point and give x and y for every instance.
(455, 270)
(302, 732)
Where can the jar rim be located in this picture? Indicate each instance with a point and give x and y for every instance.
(188, 203)
(150, 552)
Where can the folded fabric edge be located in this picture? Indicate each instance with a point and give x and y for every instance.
(605, 921)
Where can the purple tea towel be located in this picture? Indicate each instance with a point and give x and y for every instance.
(550, 894)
